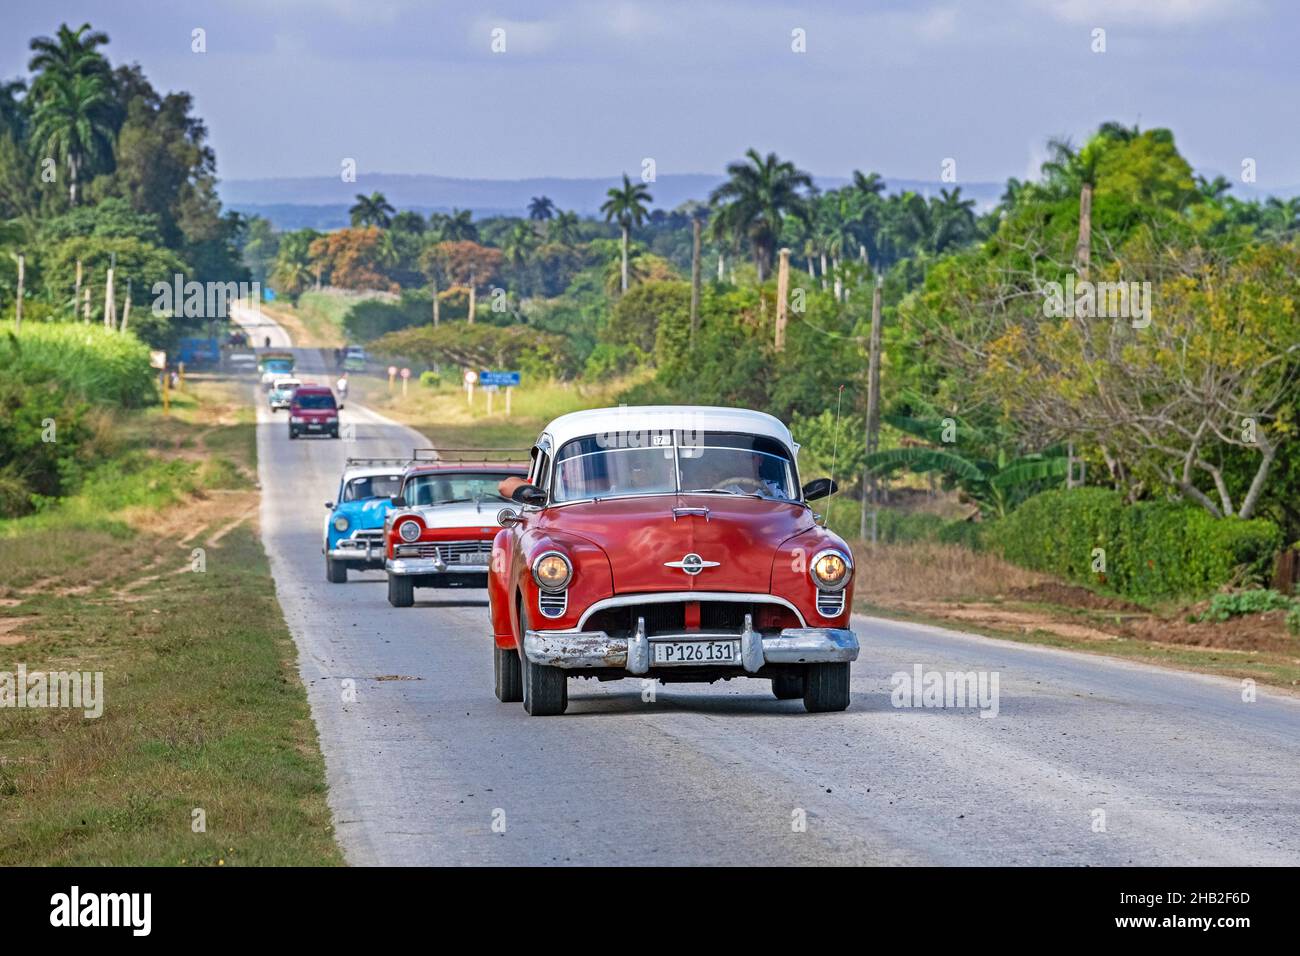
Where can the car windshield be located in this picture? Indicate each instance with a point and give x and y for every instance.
(373, 486)
(718, 462)
(440, 489)
(314, 400)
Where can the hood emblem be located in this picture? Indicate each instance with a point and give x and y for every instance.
(692, 564)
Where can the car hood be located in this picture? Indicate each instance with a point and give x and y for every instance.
(366, 513)
(642, 535)
(461, 515)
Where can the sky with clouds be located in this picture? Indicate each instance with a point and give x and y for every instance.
(591, 87)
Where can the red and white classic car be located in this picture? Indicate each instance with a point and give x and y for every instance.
(669, 542)
(440, 529)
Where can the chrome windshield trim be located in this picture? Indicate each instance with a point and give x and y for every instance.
(670, 597)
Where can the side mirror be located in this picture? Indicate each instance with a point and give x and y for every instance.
(397, 501)
(507, 517)
(329, 506)
(819, 488)
(528, 495)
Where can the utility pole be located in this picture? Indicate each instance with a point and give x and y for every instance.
(76, 292)
(695, 276)
(110, 320)
(18, 306)
(873, 408)
(126, 307)
(85, 298)
(434, 283)
(782, 297)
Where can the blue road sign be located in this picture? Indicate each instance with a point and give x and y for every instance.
(498, 378)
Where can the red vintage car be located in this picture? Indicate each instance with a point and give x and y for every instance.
(669, 542)
(439, 532)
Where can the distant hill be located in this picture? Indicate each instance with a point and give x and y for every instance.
(323, 202)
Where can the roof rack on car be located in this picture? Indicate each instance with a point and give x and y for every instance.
(376, 461)
(470, 454)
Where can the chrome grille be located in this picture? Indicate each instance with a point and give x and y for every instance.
(369, 534)
(451, 552)
(553, 603)
(830, 603)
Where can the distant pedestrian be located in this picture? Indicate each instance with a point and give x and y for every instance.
(342, 386)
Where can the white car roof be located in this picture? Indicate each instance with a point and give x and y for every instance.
(643, 420)
(369, 471)
(286, 382)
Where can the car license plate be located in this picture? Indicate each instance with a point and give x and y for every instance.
(313, 427)
(696, 652)
(471, 557)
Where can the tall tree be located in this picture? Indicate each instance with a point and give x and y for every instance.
(372, 210)
(540, 209)
(72, 121)
(564, 228)
(753, 203)
(459, 227)
(626, 206)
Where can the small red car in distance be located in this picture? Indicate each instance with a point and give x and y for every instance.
(439, 532)
(313, 411)
(669, 542)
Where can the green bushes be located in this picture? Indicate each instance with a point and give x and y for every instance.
(536, 353)
(1147, 550)
(57, 382)
(371, 318)
(100, 365)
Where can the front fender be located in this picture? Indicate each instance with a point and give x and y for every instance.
(593, 578)
(791, 578)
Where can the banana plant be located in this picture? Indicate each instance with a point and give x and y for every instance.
(997, 484)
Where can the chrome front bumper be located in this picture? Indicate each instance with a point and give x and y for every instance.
(579, 650)
(368, 552)
(416, 566)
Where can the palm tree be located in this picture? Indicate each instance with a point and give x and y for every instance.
(564, 228)
(954, 219)
(541, 209)
(372, 210)
(753, 203)
(626, 206)
(459, 227)
(519, 245)
(1215, 188)
(72, 121)
(1071, 170)
(69, 53)
(410, 221)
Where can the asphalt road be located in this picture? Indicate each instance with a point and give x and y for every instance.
(425, 760)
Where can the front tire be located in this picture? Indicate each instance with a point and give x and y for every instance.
(546, 689)
(292, 434)
(826, 688)
(787, 686)
(336, 572)
(509, 675)
(401, 591)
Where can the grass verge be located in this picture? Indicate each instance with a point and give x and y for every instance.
(204, 718)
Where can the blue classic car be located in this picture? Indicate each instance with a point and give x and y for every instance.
(354, 527)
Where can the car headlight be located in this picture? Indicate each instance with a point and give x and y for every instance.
(409, 530)
(340, 523)
(552, 571)
(830, 570)
(296, 419)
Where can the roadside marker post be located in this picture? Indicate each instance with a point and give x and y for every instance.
(406, 377)
(509, 390)
(392, 373)
(471, 377)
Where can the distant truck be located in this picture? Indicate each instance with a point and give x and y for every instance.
(273, 365)
(195, 351)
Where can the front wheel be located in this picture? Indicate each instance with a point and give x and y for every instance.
(336, 572)
(546, 689)
(509, 675)
(401, 591)
(292, 434)
(787, 686)
(826, 688)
